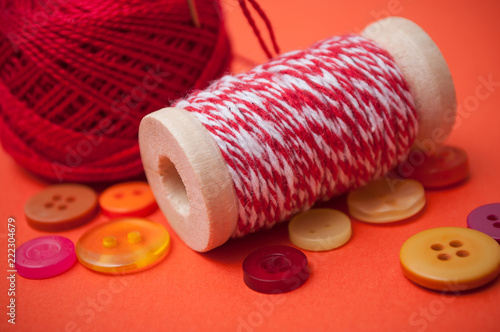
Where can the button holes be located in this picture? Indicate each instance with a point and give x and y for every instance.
(275, 263)
(109, 242)
(279, 262)
(48, 205)
(455, 244)
(437, 247)
(137, 192)
(444, 257)
(492, 217)
(56, 197)
(496, 224)
(119, 195)
(327, 225)
(62, 207)
(70, 199)
(312, 231)
(462, 253)
(266, 265)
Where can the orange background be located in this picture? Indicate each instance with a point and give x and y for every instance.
(359, 287)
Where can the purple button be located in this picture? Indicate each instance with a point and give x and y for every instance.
(486, 219)
(45, 257)
(275, 269)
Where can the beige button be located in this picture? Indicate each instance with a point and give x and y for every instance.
(386, 200)
(450, 258)
(320, 229)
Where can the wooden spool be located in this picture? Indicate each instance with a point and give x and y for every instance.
(190, 178)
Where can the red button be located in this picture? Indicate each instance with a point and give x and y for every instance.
(275, 269)
(447, 166)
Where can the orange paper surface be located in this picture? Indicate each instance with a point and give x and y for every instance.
(358, 287)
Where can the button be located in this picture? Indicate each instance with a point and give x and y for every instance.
(386, 200)
(61, 207)
(450, 258)
(123, 245)
(486, 219)
(447, 166)
(320, 229)
(275, 269)
(45, 257)
(129, 199)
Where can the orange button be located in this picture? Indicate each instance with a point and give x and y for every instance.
(320, 229)
(124, 245)
(450, 258)
(61, 207)
(386, 200)
(130, 199)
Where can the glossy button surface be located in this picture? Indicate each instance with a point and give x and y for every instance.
(450, 258)
(45, 257)
(130, 199)
(447, 166)
(275, 269)
(486, 219)
(123, 245)
(320, 229)
(61, 207)
(386, 200)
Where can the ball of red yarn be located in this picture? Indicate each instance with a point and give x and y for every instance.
(76, 78)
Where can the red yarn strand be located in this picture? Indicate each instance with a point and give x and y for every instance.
(256, 30)
(263, 15)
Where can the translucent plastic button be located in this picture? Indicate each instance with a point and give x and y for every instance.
(386, 200)
(450, 258)
(320, 229)
(45, 257)
(61, 207)
(486, 219)
(130, 199)
(123, 245)
(275, 269)
(447, 166)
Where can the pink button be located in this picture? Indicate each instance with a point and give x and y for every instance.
(486, 219)
(275, 269)
(45, 257)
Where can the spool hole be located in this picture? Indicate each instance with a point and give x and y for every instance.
(175, 190)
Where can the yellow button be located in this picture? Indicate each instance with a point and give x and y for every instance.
(386, 200)
(124, 245)
(320, 229)
(450, 258)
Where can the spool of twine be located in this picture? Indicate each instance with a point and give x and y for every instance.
(77, 77)
(254, 149)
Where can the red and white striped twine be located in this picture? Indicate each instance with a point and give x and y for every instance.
(307, 126)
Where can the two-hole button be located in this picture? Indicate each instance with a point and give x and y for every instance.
(128, 199)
